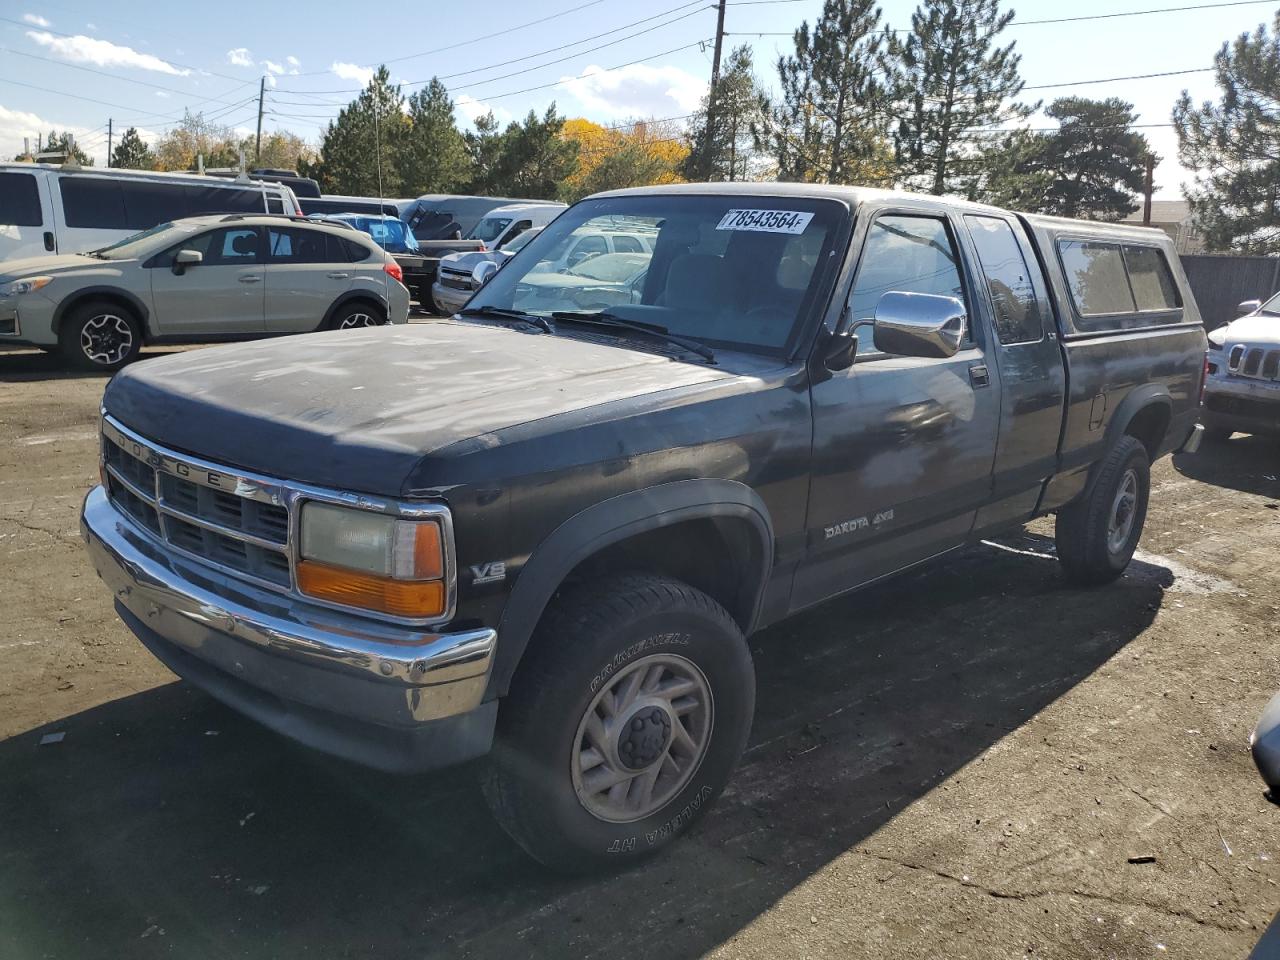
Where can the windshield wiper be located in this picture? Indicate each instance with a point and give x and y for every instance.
(501, 313)
(606, 319)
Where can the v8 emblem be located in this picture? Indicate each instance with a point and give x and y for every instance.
(491, 572)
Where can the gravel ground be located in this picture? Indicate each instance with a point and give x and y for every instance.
(957, 764)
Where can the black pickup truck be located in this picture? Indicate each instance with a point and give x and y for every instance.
(543, 530)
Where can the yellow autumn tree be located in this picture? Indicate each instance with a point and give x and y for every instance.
(629, 155)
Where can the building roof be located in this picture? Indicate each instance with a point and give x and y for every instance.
(1163, 211)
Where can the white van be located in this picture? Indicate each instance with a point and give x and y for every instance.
(501, 225)
(52, 209)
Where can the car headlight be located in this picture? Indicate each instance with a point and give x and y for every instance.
(25, 285)
(372, 560)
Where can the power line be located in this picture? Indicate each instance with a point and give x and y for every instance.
(464, 43)
(1136, 76)
(700, 4)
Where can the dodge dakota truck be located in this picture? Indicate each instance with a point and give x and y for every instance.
(542, 534)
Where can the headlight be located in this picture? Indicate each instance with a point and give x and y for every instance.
(372, 560)
(25, 285)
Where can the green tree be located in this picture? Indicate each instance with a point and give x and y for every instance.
(1233, 144)
(829, 125)
(194, 137)
(362, 148)
(527, 159)
(735, 109)
(1093, 164)
(59, 143)
(434, 154)
(952, 83)
(132, 153)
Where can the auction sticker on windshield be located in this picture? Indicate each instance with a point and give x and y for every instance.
(765, 221)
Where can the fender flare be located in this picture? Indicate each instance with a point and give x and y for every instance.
(1137, 400)
(101, 289)
(612, 521)
(347, 297)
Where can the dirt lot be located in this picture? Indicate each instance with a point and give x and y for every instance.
(958, 764)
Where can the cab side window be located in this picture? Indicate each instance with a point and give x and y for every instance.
(1018, 312)
(906, 254)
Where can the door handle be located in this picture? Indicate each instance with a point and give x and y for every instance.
(48, 241)
(338, 276)
(979, 375)
(250, 278)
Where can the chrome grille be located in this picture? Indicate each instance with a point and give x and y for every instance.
(238, 522)
(454, 279)
(1257, 363)
(237, 529)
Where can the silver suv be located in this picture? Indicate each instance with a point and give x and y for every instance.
(203, 278)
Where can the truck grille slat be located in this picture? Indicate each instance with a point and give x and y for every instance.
(235, 532)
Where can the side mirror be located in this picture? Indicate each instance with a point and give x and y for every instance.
(919, 325)
(1247, 307)
(483, 273)
(841, 351)
(186, 258)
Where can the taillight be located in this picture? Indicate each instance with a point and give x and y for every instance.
(393, 270)
(483, 248)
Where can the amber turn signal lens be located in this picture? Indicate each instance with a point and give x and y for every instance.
(428, 557)
(400, 598)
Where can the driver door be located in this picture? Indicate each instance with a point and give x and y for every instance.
(902, 446)
(221, 295)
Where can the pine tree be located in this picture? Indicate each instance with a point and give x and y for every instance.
(951, 84)
(1094, 163)
(1234, 144)
(736, 107)
(528, 159)
(434, 155)
(363, 146)
(132, 153)
(830, 123)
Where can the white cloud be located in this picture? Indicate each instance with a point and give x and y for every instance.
(239, 57)
(473, 109)
(16, 124)
(82, 49)
(273, 67)
(162, 94)
(36, 20)
(294, 63)
(639, 90)
(91, 26)
(351, 71)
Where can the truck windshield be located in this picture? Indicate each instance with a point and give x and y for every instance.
(1271, 308)
(732, 270)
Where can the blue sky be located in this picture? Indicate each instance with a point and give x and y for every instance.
(143, 62)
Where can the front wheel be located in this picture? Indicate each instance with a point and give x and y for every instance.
(1098, 533)
(100, 335)
(624, 724)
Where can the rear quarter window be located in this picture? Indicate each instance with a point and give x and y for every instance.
(1119, 285)
(19, 200)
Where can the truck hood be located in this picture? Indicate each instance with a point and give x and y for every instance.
(359, 409)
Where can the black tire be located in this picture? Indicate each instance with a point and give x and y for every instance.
(592, 643)
(1097, 534)
(356, 314)
(100, 335)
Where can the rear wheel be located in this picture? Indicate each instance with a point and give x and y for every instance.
(352, 316)
(100, 335)
(1098, 533)
(623, 725)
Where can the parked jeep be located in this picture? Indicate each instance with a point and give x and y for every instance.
(1242, 386)
(544, 535)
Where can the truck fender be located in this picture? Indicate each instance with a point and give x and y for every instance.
(1137, 400)
(612, 521)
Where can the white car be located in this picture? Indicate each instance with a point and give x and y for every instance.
(1242, 382)
(203, 278)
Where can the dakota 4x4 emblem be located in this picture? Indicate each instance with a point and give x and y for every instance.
(488, 572)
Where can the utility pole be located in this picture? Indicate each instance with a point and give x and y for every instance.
(109, 132)
(1147, 180)
(711, 96)
(257, 149)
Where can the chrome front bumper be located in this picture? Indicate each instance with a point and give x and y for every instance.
(383, 695)
(448, 299)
